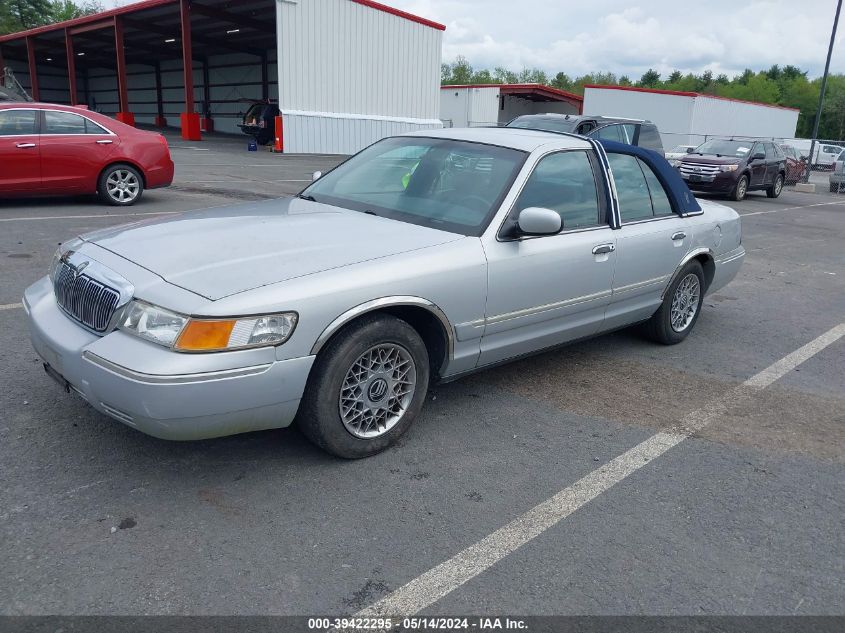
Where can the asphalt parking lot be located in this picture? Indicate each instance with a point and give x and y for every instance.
(610, 477)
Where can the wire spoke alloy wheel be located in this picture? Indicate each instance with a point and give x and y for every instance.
(123, 185)
(377, 390)
(685, 302)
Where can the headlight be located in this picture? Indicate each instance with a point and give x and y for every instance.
(728, 167)
(186, 334)
(153, 323)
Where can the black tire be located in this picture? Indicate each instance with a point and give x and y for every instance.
(659, 327)
(319, 415)
(834, 188)
(740, 189)
(121, 196)
(777, 187)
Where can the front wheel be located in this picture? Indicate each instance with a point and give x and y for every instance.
(776, 188)
(366, 387)
(741, 189)
(120, 185)
(681, 306)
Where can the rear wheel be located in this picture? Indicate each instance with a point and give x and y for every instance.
(681, 306)
(366, 388)
(741, 189)
(776, 188)
(120, 185)
(834, 188)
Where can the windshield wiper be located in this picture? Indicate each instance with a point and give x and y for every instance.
(370, 212)
(309, 198)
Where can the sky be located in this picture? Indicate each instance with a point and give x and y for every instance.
(628, 37)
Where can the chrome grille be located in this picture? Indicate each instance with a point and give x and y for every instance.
(698, 169)
(84, 299)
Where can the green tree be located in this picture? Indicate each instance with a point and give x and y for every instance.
(504, 76)
(460, 71)
(562, 81)
(20, 15)
(61, 10)
(650, 79)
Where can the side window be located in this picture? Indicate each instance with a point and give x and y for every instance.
(771, 154)
(63, 123)
(93, 128)
(18, 122)
(650, 138)
(631, 188)
(564, 182)
(659, 199)
(610, 133)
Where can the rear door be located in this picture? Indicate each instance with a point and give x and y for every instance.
(20, 161)
(651, 243)
(74, 150)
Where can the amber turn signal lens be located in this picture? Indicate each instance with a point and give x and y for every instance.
(205, 336)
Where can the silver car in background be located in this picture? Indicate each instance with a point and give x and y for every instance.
(420, 259)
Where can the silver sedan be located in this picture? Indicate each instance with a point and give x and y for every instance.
(423, 258)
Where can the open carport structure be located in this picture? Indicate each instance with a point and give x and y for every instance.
(352, 71)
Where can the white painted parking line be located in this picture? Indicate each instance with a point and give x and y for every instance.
(469, 563)
(806, 206)
(11, 306)
(88, 217)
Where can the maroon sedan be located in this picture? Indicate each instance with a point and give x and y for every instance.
(49, 149)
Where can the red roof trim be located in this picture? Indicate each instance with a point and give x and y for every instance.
(678, 93)
(505, 88)
(402, 14)
(153, 4)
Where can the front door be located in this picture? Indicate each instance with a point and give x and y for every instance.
(547, 290)
(651, 243)
(758, 166)
(73, 151)
(20, 161)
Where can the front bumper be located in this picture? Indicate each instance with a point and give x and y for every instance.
(216, 398)
(721, 183)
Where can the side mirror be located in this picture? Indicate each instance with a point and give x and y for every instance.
(759, 156)
(316, 175)
(539, 221)
(690, 150)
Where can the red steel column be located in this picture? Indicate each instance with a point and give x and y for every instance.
(33, 69)
(190, 119)
(71, 67)
(124, 115)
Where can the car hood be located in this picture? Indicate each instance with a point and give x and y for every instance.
(219, 252)
(711, 159)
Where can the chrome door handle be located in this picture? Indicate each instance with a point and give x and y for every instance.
(104, 142)
(604, 248)
(26, 145)
(678, 236)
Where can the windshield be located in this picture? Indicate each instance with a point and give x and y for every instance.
(551, 124)
(719, 147)
(439, 183)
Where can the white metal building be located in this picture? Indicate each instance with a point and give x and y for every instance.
(689, 118)
(344, 73)
(475, 105)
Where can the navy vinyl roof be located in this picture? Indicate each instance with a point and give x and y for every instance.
(679, 194)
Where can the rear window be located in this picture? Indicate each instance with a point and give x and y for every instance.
(551, 124)
(18, 122)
